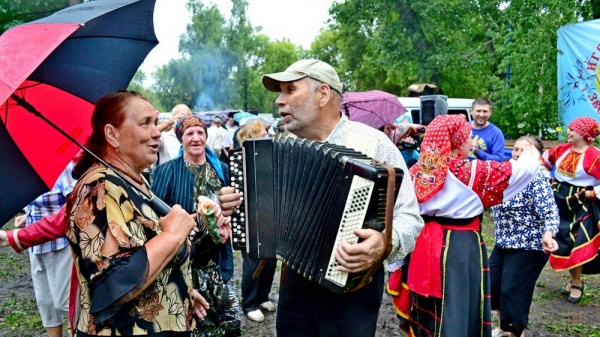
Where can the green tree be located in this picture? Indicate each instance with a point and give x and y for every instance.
(222, 63)
(527, 44)
(16, 12)
(201, 78)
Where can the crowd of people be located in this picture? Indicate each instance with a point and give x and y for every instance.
(141, 271)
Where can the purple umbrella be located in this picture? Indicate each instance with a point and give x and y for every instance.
(375, 108)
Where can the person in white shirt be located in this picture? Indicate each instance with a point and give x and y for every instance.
(219, 139)
(169, 146)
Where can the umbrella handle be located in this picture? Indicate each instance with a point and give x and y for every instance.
(159, 206)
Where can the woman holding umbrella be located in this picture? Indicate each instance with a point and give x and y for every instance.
(133, 268)
(181, 181)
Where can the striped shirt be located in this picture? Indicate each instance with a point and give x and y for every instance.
(48, 204)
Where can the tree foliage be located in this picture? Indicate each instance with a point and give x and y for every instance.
(223, 60)
(504, 50)
(16, 12)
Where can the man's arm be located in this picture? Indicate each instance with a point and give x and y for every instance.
(407, 225)
(495, 145)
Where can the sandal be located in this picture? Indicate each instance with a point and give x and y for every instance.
(567, 290)
(574, 300)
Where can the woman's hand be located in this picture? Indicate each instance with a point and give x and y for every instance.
(532, 150)
(19, 221)
(229, 200)
(4, 239)
(549, 245)
(178, 222)
(223, 225)
(200, 304)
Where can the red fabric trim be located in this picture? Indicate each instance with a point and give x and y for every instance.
(580, 255)
(73, 296)
(10, 235)
(425, 269)
(400, 294)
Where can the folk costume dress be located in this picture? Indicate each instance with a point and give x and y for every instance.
(448, 274)
(578, 236)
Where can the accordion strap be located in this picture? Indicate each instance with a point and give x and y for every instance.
(389, 219)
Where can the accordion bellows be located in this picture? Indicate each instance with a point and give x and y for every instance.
(301, 197)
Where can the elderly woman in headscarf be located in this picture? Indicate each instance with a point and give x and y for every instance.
(576, 189)
(448, 274)
(198, 172)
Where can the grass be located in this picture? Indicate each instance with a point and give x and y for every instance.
(564, 327)
(10, 265)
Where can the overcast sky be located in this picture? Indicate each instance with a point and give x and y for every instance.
(297, 20)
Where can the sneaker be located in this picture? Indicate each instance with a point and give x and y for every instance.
(500, 333)
(256, 316)
(268, 306)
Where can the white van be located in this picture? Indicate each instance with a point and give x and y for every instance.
(455, 106)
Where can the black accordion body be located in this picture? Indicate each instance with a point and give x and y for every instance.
(301, 197)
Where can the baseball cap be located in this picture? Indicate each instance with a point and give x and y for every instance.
(314, 69)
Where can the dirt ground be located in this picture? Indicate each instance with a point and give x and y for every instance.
(550, 315)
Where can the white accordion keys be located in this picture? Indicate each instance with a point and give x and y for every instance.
(353, 218)
(238, 219)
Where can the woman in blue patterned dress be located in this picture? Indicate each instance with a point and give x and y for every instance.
(525, 226)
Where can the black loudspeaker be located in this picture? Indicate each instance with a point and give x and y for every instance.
(416, 116)
(432, 106)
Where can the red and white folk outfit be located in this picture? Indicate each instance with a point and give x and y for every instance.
(448, 274)
(578, 235)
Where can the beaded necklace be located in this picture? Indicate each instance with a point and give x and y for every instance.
(115, 167)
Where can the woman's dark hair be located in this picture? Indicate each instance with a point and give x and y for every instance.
(108, 110)
(533, 140)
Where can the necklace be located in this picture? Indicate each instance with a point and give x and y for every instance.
(135, 179)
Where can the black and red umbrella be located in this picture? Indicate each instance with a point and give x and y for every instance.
(52, 71)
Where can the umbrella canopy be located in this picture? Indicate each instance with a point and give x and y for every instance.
(58, 67)
(375, 108)
(241, 115)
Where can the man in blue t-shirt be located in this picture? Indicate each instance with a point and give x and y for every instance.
(488, 140)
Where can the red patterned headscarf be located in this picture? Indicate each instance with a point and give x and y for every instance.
(442, 135)
(587, 127)
(185, 123)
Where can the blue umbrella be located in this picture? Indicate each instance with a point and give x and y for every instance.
(241, 115)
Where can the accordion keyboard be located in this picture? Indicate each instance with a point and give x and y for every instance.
(353, 218)
(238, 221)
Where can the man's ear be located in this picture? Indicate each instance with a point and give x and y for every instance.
(112, 135)
(325, 94)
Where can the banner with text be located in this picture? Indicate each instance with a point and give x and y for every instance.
(577, 61)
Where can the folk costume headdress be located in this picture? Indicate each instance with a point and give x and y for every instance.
(587, 127)
(185, 123)
(444, 133)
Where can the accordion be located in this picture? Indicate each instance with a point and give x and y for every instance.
(301, 197)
